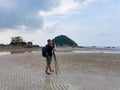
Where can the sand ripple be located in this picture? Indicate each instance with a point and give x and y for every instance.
(77, 72)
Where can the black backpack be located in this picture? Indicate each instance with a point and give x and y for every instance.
(44, 51)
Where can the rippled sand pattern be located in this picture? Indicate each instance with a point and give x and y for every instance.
(77, 72)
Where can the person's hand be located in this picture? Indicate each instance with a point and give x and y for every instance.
(54, 49)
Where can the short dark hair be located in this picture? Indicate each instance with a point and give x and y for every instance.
(49, 40)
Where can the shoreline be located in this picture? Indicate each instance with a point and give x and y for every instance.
(74, 50)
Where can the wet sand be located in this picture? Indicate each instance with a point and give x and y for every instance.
(25, 71)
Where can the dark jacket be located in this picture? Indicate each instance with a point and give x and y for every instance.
(49, 49)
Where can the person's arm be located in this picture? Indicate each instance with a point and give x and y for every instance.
(54, 46)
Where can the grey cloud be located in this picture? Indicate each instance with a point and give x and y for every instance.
(15, 13)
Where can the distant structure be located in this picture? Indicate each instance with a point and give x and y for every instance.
(30, 43)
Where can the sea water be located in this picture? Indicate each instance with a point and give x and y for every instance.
(112, 51)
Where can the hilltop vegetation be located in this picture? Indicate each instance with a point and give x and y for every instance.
(63, 40)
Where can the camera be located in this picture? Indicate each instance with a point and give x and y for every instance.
(53, 44)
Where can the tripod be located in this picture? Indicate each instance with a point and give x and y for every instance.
(56, 63)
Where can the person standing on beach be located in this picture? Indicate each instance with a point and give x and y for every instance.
(49, 47)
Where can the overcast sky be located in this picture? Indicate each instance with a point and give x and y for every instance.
(87, 22)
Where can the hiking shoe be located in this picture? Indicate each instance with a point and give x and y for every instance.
(47, 73)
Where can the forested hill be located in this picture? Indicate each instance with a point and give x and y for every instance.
(63, 40)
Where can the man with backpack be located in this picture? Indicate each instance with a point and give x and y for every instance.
(48, 55)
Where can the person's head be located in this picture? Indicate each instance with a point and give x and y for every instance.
(49, 41)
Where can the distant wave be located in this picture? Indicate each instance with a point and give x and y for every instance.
(97, 51)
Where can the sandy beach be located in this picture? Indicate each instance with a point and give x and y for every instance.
(78, 71)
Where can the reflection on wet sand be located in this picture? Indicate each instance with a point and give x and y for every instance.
(5, 53)
(48, 82)
(16, 52)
